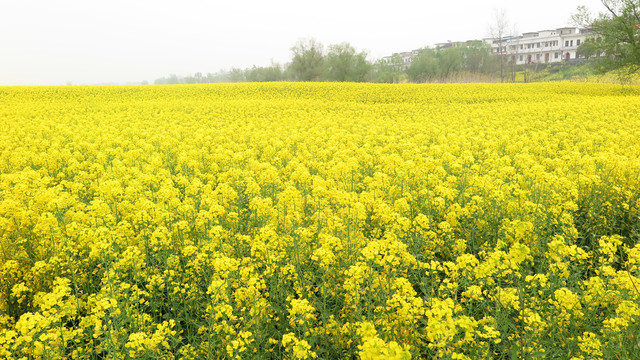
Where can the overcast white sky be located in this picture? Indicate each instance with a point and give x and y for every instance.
(50, 42)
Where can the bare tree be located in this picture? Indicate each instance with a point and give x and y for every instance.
(513, 61)
(499, 30)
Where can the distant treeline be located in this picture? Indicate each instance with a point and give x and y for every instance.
(342, 62)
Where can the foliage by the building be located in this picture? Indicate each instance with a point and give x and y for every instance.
(616, 36)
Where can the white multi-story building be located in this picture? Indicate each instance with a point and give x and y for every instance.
(407, 57)
(545, 46)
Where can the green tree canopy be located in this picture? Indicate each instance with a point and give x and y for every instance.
(388, 70)
(476, 57)
(616, 34)
(424, 67)
(450, 61)
(344, 63)
(260, 74)
(308, 60)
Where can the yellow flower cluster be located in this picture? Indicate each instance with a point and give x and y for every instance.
(301, 221)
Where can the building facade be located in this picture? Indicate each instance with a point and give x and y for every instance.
(547, 46)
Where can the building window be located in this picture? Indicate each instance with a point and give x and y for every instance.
(578, 42)
(546, 44)
(538, 56)
(566, 43)
(555, 56)
(521, 57)
(571, 43)
(538, 45)
(521, 47)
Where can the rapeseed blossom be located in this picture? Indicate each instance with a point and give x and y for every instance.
(307, 221)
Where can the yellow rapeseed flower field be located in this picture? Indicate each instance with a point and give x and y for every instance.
(322, 220)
